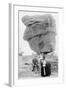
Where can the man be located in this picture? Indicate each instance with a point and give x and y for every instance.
(35, 64)
(45, 67)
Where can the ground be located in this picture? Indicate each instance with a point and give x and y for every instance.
(25, 67)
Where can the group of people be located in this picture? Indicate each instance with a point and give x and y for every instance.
(42, 65)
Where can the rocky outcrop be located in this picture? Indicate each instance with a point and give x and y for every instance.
(40, 32)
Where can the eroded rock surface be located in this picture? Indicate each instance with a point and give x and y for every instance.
(40, 32)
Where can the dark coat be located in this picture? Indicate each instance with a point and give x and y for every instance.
(47, 69)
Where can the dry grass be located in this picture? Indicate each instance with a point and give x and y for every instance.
(25, 67)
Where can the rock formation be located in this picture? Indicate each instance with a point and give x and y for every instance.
(40, 32)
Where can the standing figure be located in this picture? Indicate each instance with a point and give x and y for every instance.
(35, 64)
(43, 64)
(45, 67)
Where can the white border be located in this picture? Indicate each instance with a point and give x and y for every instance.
(14, 46)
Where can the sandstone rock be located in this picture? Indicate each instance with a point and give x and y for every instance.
(40, 32)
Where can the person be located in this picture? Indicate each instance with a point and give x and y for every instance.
(35, 64)
(45, 67)
(43, 64)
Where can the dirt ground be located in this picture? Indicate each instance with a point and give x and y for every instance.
(25, 67)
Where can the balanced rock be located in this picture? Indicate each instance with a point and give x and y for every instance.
(40, 32)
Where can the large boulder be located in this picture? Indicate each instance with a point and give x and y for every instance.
(40, 32)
